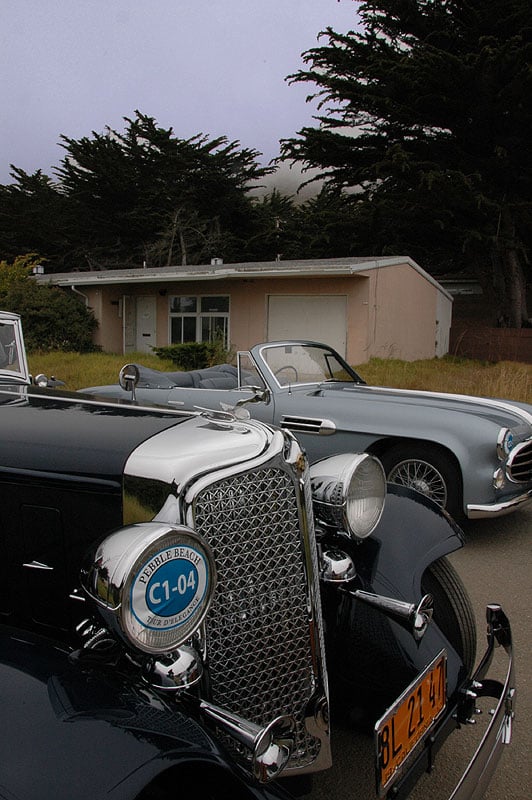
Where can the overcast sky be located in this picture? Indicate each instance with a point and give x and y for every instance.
(212, 66)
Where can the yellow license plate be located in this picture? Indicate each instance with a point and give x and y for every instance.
(407, 722)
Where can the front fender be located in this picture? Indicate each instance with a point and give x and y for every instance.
(371, 658)
(91, 733)
(412, 533)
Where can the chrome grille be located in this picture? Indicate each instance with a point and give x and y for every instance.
(519, 467)
(258, 631)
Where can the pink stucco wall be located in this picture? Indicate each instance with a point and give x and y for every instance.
(390, 310)
(402, 314)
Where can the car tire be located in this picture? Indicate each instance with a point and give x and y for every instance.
(428, 470)
(453, 611)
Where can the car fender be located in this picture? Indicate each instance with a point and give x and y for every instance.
(371, 657)
(366, 422)
(92, 732)
(412, 533)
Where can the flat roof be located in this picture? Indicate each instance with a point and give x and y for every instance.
(218, 271)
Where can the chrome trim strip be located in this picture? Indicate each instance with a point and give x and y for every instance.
(498, 509)
(78, 398)
(317, 425)
(38, 565)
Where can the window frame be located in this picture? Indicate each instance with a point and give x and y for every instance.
(199, 316)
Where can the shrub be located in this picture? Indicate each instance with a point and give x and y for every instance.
(195, 355)
(52, 318)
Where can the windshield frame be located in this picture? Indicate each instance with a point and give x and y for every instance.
(15, 370)
(261, 357)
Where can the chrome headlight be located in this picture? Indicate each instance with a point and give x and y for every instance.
(348, 492)
(153, 584)
(505, 443)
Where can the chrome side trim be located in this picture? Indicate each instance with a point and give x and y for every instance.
(321, 427)
(498, 509)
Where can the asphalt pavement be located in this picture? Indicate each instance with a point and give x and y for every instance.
(496, 566)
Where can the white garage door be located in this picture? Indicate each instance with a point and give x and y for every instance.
(321, 318)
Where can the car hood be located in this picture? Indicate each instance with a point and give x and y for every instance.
(504, 413)
(67, 436)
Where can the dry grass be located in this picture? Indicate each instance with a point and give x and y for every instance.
(505, 379)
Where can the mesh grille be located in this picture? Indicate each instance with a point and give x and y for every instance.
(520, 463)
(258, 632)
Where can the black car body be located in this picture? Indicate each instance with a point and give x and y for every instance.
(171, 583)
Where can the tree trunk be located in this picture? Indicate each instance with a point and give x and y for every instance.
(183, 248)
(513, 271)
(173, 232)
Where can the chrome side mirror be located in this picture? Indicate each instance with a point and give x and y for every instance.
(128, 378)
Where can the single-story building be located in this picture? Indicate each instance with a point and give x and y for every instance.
(364, 307)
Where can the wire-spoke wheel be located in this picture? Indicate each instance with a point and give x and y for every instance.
(427, 470)
(423, 477)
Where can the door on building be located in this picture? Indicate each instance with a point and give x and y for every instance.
(321, 318)
(443, 323)
(140, 323)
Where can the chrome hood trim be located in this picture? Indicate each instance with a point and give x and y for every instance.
(176, 455)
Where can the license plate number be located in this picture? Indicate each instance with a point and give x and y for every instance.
(407, 722)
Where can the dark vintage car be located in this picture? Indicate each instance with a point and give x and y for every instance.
(472, 455)
(186, 605)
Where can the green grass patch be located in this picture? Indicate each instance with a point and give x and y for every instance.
(506, 379)
(78, 370)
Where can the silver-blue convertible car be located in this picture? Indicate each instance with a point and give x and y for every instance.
(472, 455)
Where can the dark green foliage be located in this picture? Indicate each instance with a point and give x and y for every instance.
(322, 227)
(146, 196)
(52, 318)
(326, 226)
(34, 218)
(426, 112)
(125, 199)
(194, 355)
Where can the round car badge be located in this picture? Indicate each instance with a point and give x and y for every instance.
(170, 588)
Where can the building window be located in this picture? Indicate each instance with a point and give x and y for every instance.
(199, 318)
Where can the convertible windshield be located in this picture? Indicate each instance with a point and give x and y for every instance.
(306, 363)
(9, 357)
(13, 365)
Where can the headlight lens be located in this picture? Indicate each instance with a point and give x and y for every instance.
(153, 584)
(348, 492)
(505, 443)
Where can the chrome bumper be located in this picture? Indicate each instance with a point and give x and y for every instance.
(498, 509)
(479, 772)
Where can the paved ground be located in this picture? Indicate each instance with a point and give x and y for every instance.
(496, 566)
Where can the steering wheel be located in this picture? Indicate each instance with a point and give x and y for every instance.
(287, 367)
